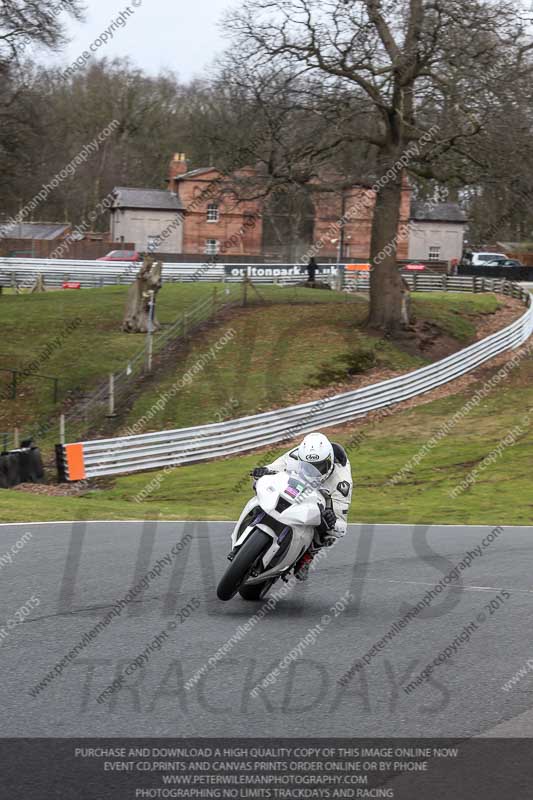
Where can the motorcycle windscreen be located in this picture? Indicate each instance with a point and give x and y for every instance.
(295, 486)
(302, 481)
(301, 490)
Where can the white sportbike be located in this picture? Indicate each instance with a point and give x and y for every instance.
(275, 529)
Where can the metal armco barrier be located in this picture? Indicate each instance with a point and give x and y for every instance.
(188, 445)
(91, 274)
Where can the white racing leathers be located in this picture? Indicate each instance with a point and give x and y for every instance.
(339, 485)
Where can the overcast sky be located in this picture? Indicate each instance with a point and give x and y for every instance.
(181, 35)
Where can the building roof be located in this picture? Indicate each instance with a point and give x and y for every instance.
(195, 173)
(526, 246)
(35, 230)
(157, 199)
(438, 212)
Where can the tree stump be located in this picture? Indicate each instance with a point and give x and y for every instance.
(137, 314)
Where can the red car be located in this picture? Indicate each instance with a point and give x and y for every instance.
(122, 255)
(415, 267)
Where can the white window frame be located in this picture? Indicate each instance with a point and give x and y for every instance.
(151, 243)
(212, 247)
(213, 212)
(434, 252)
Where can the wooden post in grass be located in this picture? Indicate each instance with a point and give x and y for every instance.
(245, 288)
(38, 286)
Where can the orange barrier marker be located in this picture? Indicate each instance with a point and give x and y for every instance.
(75, 462)
(358, 267)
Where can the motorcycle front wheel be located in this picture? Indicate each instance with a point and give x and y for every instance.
(257, 591)
(240, 568)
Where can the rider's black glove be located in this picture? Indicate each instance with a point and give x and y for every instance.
(328, 519)
(259, 472)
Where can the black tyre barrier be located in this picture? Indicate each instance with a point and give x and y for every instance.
(21, 466)
(3, 473)
(60, 464)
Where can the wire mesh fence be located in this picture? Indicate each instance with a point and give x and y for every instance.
(110, 395)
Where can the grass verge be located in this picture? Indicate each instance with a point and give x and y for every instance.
(377, 450)
(283, 342)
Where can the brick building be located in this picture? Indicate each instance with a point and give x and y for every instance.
(216, 221)
(353, 242)
(212, 220)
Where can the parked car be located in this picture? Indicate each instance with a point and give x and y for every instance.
(416, 267)
(506, 262)
(122, 255)
(480, 259)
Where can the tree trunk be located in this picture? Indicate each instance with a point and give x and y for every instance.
(387, 307)
(137, 315)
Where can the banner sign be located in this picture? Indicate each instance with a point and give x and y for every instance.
(279, 769)
(274, 271)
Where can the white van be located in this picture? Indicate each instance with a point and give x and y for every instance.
(478, 259)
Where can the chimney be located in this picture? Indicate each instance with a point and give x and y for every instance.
(178, 166)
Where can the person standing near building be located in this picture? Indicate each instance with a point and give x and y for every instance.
(311, 271)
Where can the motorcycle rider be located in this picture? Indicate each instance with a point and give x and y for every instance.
(332, 462)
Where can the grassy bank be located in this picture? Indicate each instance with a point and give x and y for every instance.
(74, 336)
(278, 352)
(378, 451)
(285, 340)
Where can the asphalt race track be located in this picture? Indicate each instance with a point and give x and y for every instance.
(78, 571)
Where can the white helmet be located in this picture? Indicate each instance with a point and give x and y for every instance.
(316, 449)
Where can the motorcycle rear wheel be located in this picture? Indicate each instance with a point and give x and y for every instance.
(240, 568)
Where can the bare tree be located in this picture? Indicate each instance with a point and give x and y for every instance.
(53, 118)
(300, 141)
(427, 68)
(24, 23)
